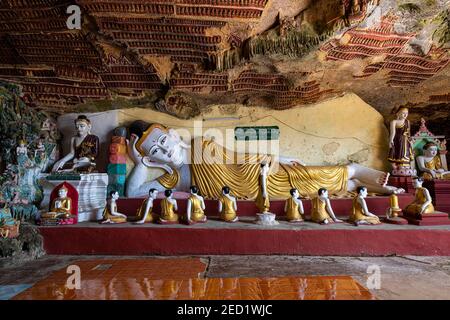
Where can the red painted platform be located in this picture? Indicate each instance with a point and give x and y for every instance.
(337, 240)
(341, 207)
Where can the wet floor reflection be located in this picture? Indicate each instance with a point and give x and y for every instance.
(180, 279)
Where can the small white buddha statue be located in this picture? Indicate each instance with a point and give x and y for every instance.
(110, 214)
(321, 211)
(169, 208)
(22, 148)
(227, 206)
(422, 203)
(360, 213)
(293, 208)
(145, 213)
(195, 211)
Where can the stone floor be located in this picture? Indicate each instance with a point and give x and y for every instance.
(401, 277)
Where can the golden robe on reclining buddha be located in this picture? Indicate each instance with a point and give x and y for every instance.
(210, 166)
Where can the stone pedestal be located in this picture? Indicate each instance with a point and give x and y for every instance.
(91, 190)
(440, 192)
(404, 182)
(266, 219)
(431, 219)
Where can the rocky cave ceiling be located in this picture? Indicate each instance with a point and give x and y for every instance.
(180, 56)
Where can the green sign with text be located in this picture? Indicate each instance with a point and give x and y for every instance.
(257, 133)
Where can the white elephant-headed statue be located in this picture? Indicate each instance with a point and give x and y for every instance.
(196, 163)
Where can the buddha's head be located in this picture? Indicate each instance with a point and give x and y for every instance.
(265, 168)
(294, 193)
(225, 190)
(168, 193)
(114, 195)
(402, 113)
(323, 193)
(430, 149)
(153, 193)
(362, 191)
(83, 125)
(194, 189)
(159, 143)
(22, 143)
(417, 182)
(62, 192)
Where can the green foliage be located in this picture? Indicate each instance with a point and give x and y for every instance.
(17, 121)
(410, 7)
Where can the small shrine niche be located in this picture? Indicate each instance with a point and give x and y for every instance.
(422, 137)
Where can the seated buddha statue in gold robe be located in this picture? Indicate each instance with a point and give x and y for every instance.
(169, 207)
(321, 211)
(430, 163)
(195, 211)
(422, 203)
(61, 207)
(210, 166)
(360, 213)
(110, 213)
(293, 207)
(227, 206)
(144, 213)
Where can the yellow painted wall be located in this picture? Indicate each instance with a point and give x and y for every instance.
(330, 132)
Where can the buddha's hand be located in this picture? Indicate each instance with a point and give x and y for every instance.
(433, 173)
(391, 143)
(292, 161)
(132, 151)
(440, 170)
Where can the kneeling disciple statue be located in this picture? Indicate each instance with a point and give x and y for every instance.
(422, 203)
(168, 209)
(110, 214)
(84, 148)
(145, 213)
(360, 213)
(294, 207)
(227, 206)
(195, 207)
(430, 163)
(61, 207)
(321, 211)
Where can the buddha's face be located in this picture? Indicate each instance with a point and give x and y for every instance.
(431, 151)
(62, 193)
(295, 194)
(83, 128)
(163, 146)
(324, 194)
(417, 183)
(115, 195)
(154, 194)
(402, 114)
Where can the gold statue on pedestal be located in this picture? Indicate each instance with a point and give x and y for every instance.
(430, 163)
(61, 207)
(262, 199)
(227, 206)
(422, 203)
(360, 213)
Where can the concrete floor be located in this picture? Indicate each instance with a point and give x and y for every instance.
(402, 277)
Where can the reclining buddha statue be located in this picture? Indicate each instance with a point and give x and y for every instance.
(210, 166)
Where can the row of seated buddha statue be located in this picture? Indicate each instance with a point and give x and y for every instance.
(322, 211)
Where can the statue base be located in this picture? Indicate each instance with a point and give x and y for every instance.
(46, 222)
(436, 218)
(266, 219)
(91, 189)
(404, 172)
